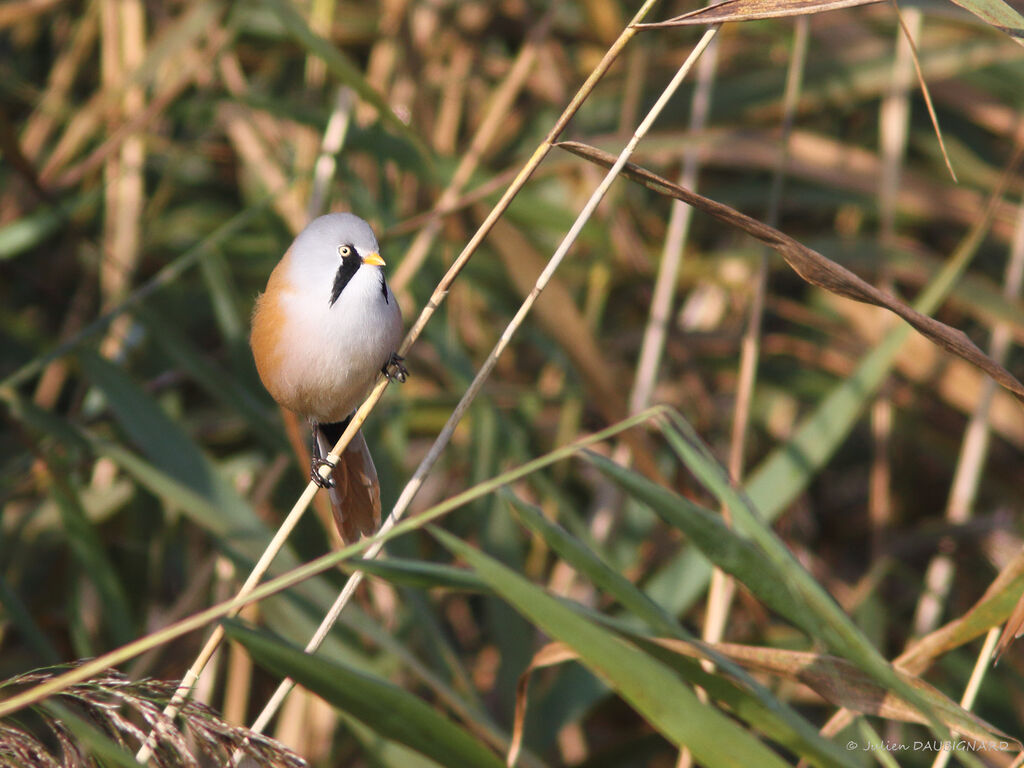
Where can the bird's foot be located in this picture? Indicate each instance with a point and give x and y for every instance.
(393, 369)
(314, 472)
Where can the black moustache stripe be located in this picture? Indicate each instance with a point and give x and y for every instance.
(348, 267)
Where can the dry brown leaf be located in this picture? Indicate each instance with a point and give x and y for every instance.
(836, 680)
(843, 684)
(1014, 628)
(981, 617)
(548, 656)
(747, 10)
(812, 266)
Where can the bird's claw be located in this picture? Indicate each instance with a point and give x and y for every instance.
(314, 472)
(393, 369)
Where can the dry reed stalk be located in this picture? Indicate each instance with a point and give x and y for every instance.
(307, 143)
(894, 120)
(76, 133)
(333, 140)
(452, 101)
(266, 126)
(54, 102)
(88, 117)
(722, 588)
(653, 344)
(411, 488)
(224, 577)
(123, 53)
(973, 450)
(308, 726)
(973, 686)
(633, 89)
(112, 79)
(253, 151)
(238, 675)
(495, 115)
(440, 292)
(192, 72)
(384, 54)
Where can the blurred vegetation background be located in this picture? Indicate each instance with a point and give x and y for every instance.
(158, 158)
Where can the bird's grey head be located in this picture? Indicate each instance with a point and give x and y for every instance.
(330, 250)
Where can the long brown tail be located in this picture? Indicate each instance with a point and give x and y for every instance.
(355, 496)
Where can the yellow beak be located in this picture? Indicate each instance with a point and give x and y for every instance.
(374, 259)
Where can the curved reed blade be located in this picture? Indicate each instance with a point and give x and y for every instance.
(812, 266)
(748, 10)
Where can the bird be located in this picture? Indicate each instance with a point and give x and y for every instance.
(324, 329)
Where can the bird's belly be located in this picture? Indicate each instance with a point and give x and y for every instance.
(329, 359)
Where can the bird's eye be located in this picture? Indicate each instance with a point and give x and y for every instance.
(344, 251)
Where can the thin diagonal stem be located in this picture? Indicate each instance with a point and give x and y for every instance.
(973, 686)
(330, 146)
(672, 255)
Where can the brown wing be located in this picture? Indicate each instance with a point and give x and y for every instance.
(355, 497)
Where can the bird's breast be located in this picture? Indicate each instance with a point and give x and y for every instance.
(318, 359)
